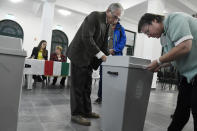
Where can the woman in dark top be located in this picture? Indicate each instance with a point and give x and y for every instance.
(40, 52)
(57, 56)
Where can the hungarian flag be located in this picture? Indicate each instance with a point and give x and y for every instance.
(60, 68)
(53, 68)
(48, 68)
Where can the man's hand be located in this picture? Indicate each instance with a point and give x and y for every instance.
(111, 51)
(157, 69)
(104, 58)
(153, 66)
(162, 66)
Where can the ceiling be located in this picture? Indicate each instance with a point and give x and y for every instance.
(134, 13)
(135, 8)
(26, 5)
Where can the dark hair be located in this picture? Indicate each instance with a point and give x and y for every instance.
(194, 15)
(44, 53)
(147, 19)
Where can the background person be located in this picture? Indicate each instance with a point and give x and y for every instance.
(86, 51)
(116, 44)
(57, 56)
(40, 52)
(178, 33)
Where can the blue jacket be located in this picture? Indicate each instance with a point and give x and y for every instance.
(119, 43)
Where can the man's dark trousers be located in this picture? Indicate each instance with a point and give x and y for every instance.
(186, 103)
(81, 82)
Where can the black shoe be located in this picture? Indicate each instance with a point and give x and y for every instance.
(62, 86)
(38, 79)
(98, 101)
(52, 86)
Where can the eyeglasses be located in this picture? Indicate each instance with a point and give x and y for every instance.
(115, 17)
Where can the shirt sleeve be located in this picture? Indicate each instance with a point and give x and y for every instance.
(99, 55)
(179, 29)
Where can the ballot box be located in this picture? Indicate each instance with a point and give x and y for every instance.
(12, 59)
(126, 91)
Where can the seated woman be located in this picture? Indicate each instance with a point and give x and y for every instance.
(57, 56)
(40, 52)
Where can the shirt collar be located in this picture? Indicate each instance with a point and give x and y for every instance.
(165, 24)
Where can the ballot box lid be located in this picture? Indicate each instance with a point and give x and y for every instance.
(126, 61)
(11, 46)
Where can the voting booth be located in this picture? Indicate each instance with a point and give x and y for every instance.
(126, 91)
(12, 59)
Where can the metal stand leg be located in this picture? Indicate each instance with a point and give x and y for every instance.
(23, 81)
(29, 82)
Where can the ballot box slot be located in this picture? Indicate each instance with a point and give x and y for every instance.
(112, 73)
(137, 66)
(27, 66)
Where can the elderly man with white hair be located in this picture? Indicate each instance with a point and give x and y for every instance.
(87, 51)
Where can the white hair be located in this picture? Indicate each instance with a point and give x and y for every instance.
(114, 6)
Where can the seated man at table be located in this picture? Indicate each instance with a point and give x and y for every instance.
(57, 56)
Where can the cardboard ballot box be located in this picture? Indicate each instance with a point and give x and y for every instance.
(12, 59)
(126, 91)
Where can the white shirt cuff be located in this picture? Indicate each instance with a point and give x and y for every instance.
(100, 54)
(187, 37)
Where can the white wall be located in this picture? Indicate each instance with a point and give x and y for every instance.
(70, 25)
(31, 25)
(140, 38)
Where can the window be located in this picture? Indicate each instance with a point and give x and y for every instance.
(130, 43)
(11, 28)
(59, 38)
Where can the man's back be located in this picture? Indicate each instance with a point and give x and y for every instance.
(178, 28)
(89, 39)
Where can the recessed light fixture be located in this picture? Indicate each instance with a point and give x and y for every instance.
(64, 12)
(16, 1)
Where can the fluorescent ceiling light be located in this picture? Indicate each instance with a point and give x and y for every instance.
(64, 12)
(59, 27)
(10, 17)
(16, 1)
(165, 12)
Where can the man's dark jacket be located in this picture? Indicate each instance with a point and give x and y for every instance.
(89, 40)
